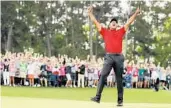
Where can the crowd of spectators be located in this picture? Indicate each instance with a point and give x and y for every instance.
(30, 69)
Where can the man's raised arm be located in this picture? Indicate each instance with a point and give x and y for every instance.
(93, 19)
(131, 19)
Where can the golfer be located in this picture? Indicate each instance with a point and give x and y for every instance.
(114, 58)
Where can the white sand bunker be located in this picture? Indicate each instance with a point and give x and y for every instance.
(21, 102)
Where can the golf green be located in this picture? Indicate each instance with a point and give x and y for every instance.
(84, 94)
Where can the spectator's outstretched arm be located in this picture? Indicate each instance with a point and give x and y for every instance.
(93, 19)
(131, 19)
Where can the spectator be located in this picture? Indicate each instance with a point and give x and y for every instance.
(62, 73)
(147, 76)
(155, 78)
(1, 71)
(90, 76)
(129, 68)
(73, 74)
(110, 79)
(68, 74)
(43, 74)
(158, 69)
(141, 76)
(96, 76)
(17, 66)
(23, 71)
(163, 77)
(135, 75)
(55, 75)
(86, 75)
(154, 73)
(168, 77)
(49, 71)
(30, 72)
(37, 72)
(128, 76)
(6, 76)
(12, 72)
(81, 74)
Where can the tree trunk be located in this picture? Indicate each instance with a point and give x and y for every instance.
(9, 39)
(47, 40)
(72, 29)
(66, 41)
(48, 44)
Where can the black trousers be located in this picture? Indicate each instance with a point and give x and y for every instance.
(156, 84)
(115, 61)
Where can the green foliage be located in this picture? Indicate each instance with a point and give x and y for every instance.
(162, 42)
(52, 28)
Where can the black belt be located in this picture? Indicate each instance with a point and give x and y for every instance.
(116, 54)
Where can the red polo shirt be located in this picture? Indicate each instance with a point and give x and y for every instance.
(113, 39)
(135, 72)
(129, 69)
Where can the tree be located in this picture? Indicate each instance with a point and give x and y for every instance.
(162, 44)
(52, 28)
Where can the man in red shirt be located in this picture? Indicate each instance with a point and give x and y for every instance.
(135, 75)
(113, 59)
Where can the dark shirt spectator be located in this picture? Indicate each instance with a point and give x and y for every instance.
(68, 69)
(82, 69)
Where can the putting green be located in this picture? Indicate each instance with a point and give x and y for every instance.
(20, 102)
(109, 94)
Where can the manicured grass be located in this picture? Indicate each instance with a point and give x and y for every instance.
(109, 94)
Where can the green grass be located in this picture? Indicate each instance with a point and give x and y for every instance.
(109, 94)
